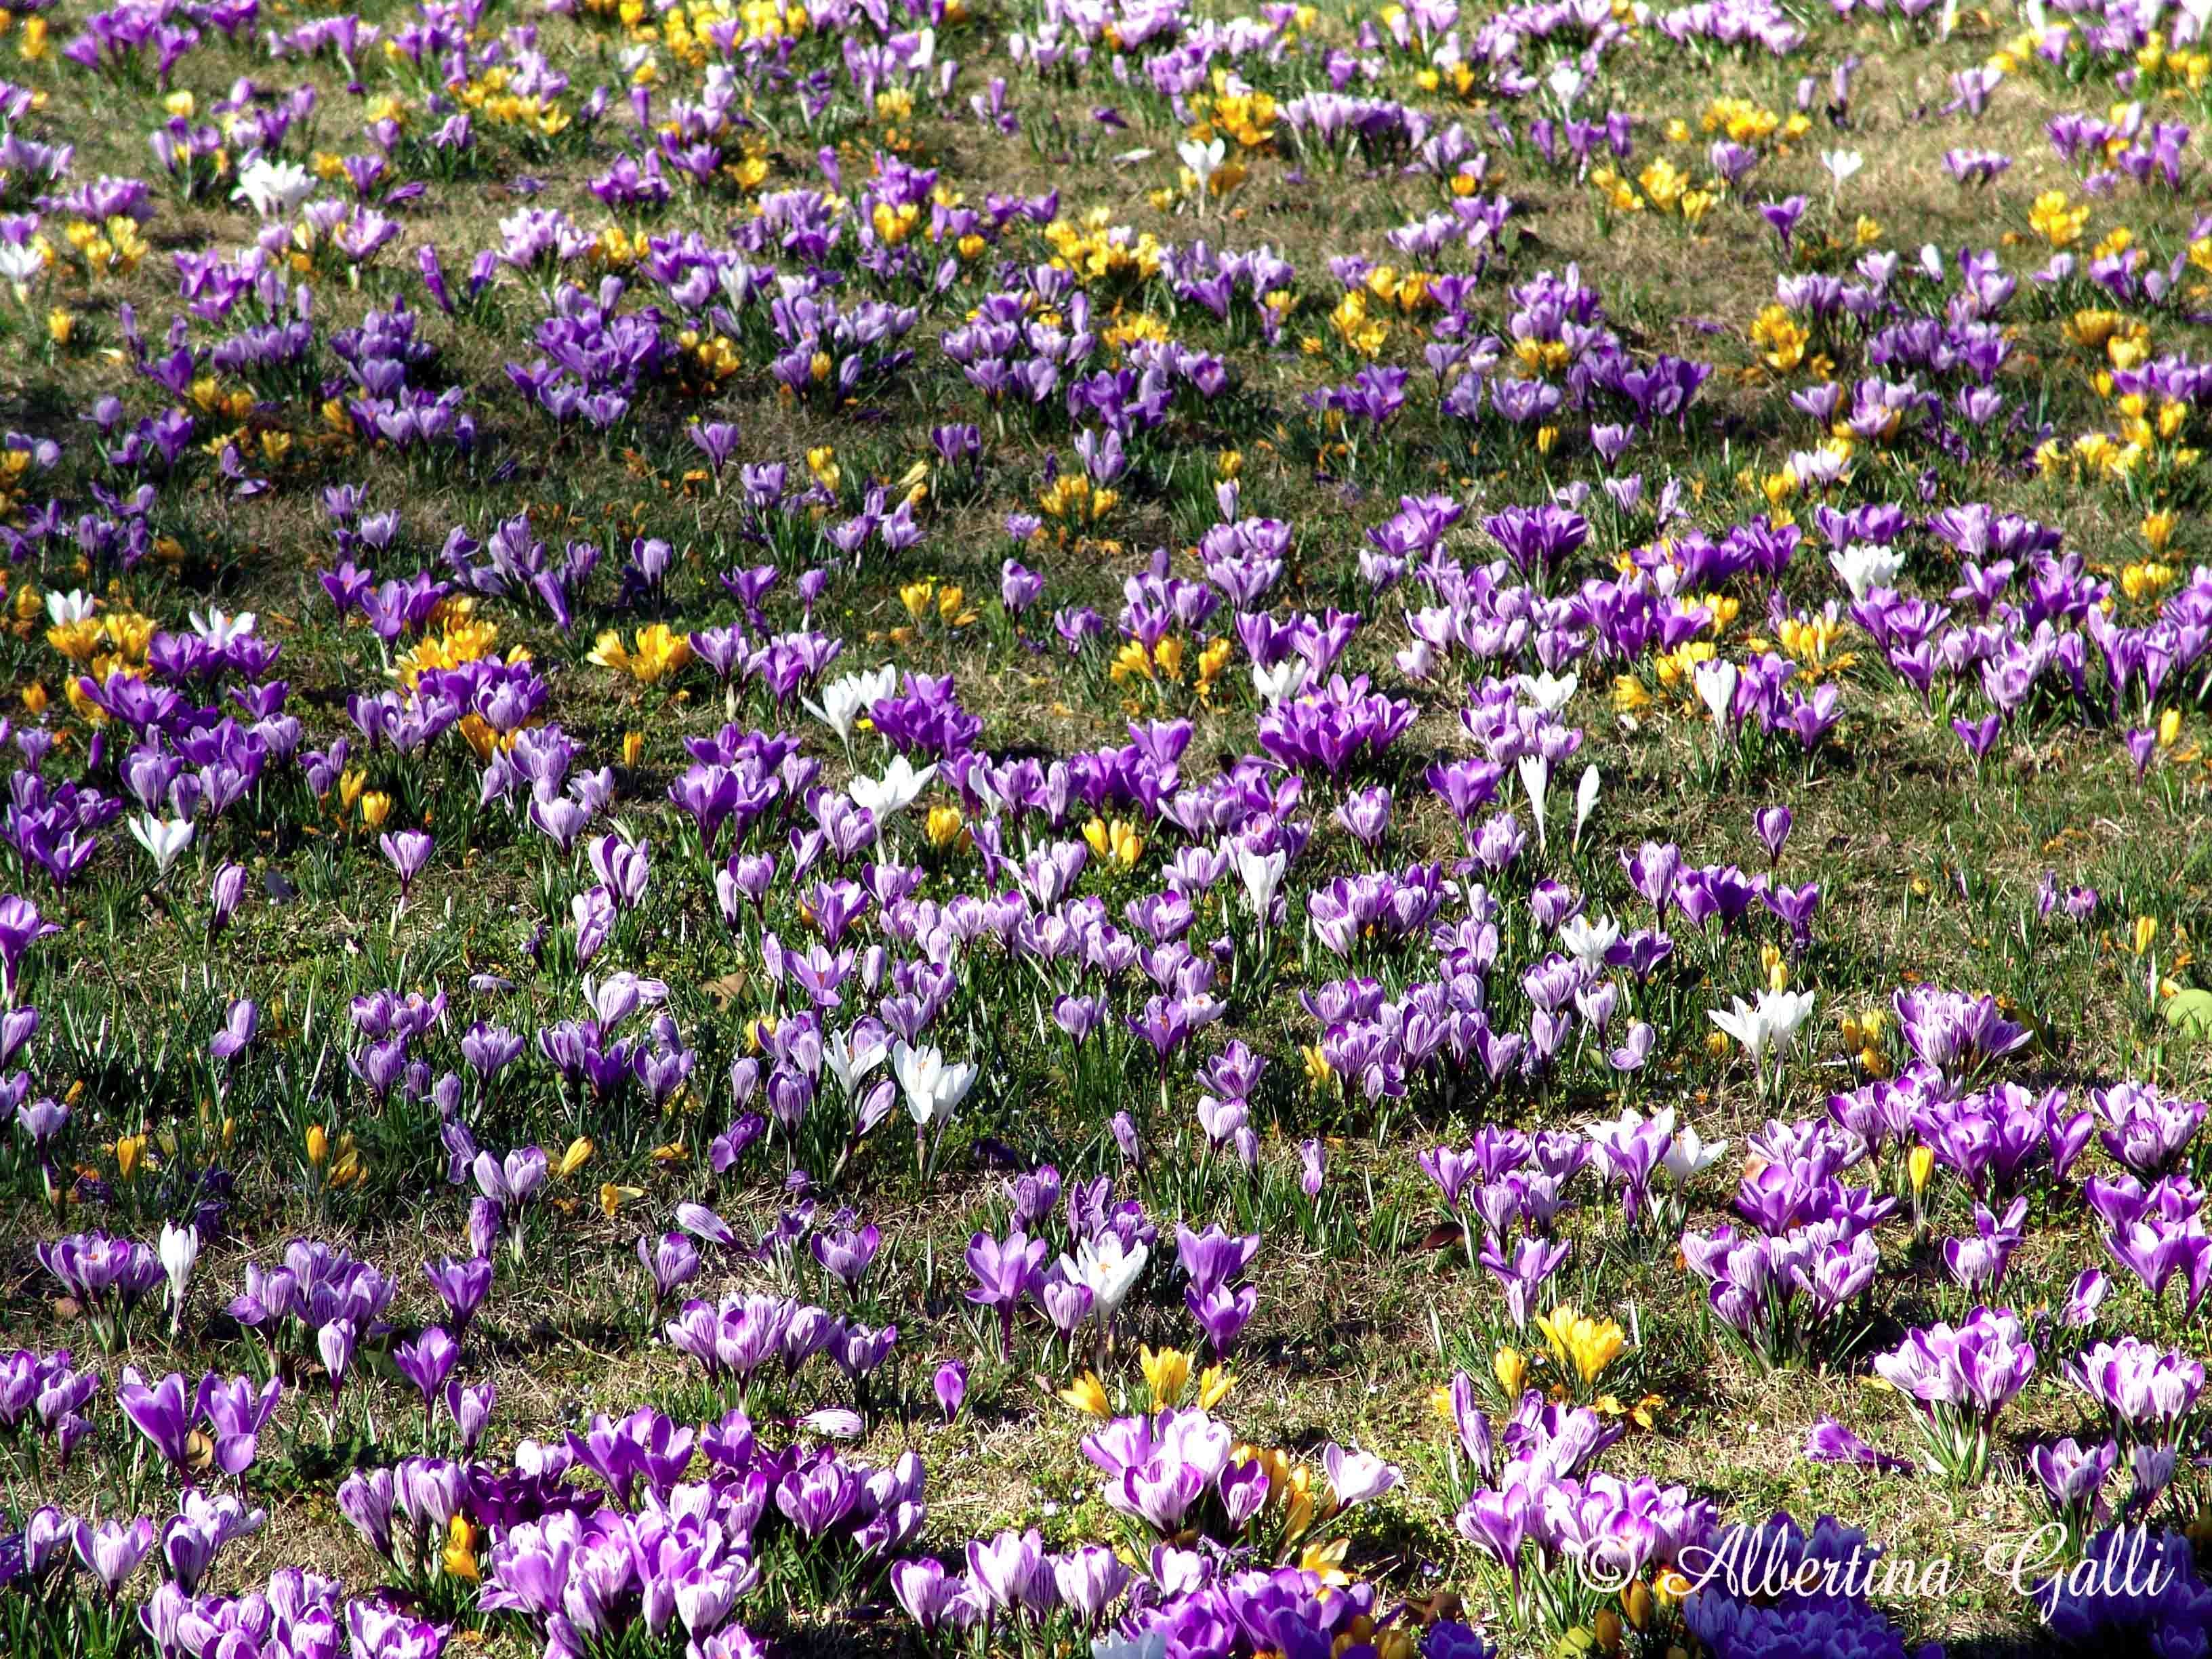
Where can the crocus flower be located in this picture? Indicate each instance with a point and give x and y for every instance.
(933, 1087)
(180, 1248)
(1007, 1275)
(1354, 1477)
(1769, 1025)
(951, 1387)
(427, 1362)
(163, 1414)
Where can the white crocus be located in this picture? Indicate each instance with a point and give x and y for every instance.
(1770, 1025)
(1716, 682)
(1549, 693)
(1285, 680)
(1107, 1269)
(22, 264)
(220, 629)
(273, 189)
(1203, 160)
(849, 1065)
(1536, 783)
(164, 839)
(844, 701)
(935, 1089)
(180, 1248)
(1863, 567)
(1842, 164)
(1585, 799)
(899, 787)
(1261, 874)
(1587, 941)
(1689, 1154)
(74, 606)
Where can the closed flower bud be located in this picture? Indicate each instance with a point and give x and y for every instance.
(1512, 1370)
(1636, 1603)
(1920, 1164)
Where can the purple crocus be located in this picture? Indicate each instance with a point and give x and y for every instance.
(951, 1387)
(1007, 1272)
(427, 1362)
(462, 1286)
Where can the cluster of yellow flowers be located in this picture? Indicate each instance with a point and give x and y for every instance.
(487, 95)
(1167, 1377)
(893, 225)
(1782, 340)
(2058, 220)
(2181, 69)
(2157, 529)
(1742, 122)
(111, 640)
(948, 604)
(1675, 671)
(1164, 663)
(1070, 497)
(114, 249)
(374, 804)
(1862, 1035)
(1667, 186)
(2146, 580)
(2142, 432)
(708, 360)
(1579, 1343)
(1354, 326)
(345, 1168)
(1125, 331)
(616, 249)
(1233, 110)
(1099, 249)
(1670, 190)
(661, 653)
(1810, 642)
(689, 32)
(1117, 843)
(113, 643)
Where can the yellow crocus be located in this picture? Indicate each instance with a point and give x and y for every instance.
(459, 1557)
(1326, 1561)
(1511, 1367)
(1088, 1395)
(1588, 1345)
(1167, 1372)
